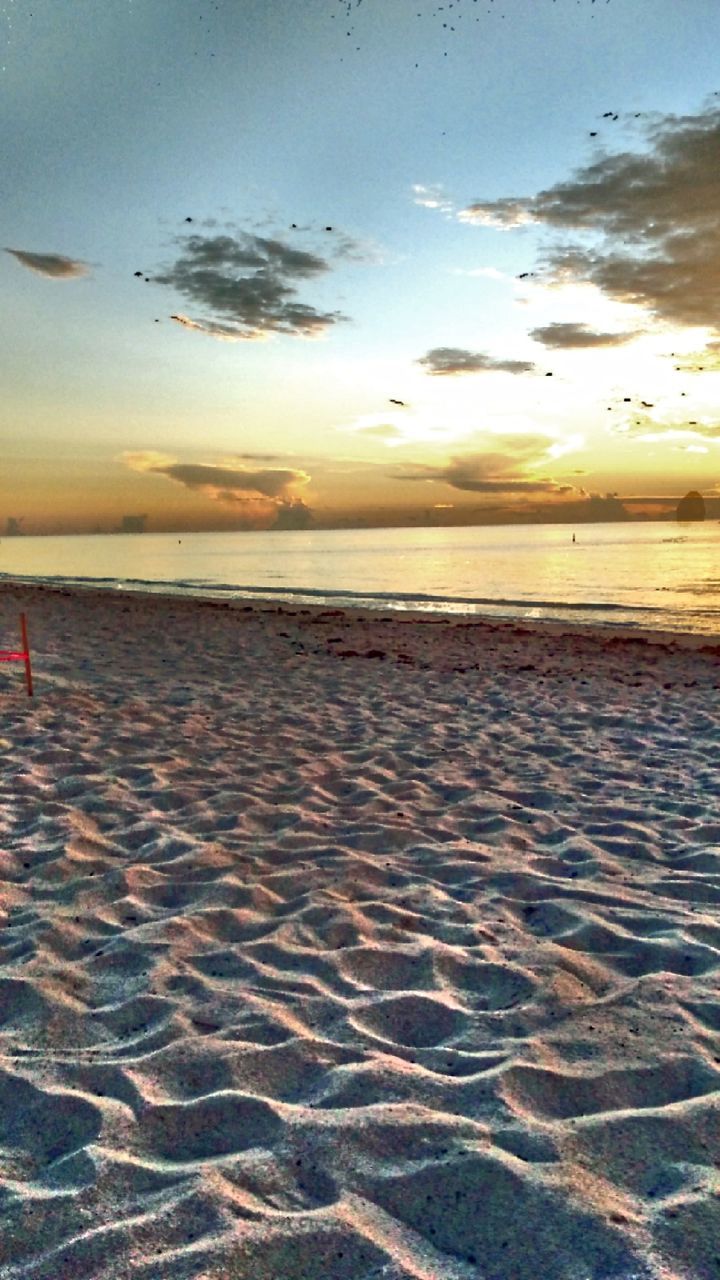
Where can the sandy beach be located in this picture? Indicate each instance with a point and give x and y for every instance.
(338, 945)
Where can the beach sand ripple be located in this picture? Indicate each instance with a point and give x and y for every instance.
(344, 946)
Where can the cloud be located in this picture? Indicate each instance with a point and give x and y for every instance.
(264, 498)
(455, 360)
(487, 273)
(267, 482)
(384, 430)
(652, 218)
(573, 334)
(225, 332)
(51, 265)
(504, 214)
(247, 285)
(646, 430)
(492, 472)
(432, 197)
(234, 481)
(260, 457)
(705, 361)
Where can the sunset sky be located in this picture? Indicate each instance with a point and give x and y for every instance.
(274, 262)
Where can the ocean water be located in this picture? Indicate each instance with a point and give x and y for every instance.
(659, 575)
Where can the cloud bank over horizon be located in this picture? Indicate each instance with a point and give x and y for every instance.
(266, 497)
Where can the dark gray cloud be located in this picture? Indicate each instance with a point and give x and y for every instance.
(52, 265)
(246, 286)
(575, 334)
(232, 482)
(653, 218)
(455, 360)
(493, 472)
(294, 514)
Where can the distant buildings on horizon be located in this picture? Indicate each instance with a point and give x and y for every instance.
(132, 524)
(598, 509)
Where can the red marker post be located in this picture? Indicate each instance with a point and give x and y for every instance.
(23, 655)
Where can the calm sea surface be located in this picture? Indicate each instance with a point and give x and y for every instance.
(662, 576)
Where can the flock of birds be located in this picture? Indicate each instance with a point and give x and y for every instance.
(447, 14)
(523, 275)
(140, 275)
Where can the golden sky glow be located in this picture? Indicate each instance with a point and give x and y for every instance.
(260, 274)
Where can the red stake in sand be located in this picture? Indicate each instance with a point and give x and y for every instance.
(10, 655)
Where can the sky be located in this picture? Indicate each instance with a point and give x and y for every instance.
(318, 263)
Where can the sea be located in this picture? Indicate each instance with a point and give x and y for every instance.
(658, 576)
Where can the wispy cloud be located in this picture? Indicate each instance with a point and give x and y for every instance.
(705, 361)
(493, 471)
(432, 197)
(247, 287)
(570, 335)
(487, 273)
(504, 214)
(383, 431)
(448, 361)
(653, 218)
(54, 266)
(648, 431)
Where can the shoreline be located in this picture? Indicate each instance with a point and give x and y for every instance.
(261, 607)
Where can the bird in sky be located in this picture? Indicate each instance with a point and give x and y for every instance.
(400, 402)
